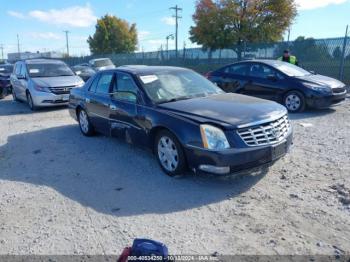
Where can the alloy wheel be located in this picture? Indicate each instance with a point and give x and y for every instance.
(84, 122)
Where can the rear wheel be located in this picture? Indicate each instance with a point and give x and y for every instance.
(169, 153)
(84, 123)
(30, 102)
(294, 101)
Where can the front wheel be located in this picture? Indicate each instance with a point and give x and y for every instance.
(169, 154)
(84, 123)
(30, 102)
(294, 101)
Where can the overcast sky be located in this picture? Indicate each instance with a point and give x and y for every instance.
(40, 24)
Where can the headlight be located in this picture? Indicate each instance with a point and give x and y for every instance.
(213, 137)
(41, 88)
(80, 84)
(318, 88)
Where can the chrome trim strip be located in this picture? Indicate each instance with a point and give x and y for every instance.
(115, 120)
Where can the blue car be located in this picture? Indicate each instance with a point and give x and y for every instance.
(187, 121)
(290, 85)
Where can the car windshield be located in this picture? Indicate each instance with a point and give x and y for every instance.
(173, 85)
(49, 70)
(290, 70)
(6, 69)
(103, 62)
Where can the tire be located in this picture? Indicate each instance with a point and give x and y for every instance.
(14, 96)
(294, 101)
(85, 125)
(3, 93)
(30, 102)
(169, 153)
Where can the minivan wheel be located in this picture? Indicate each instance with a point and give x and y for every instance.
(84, 123)
(294, 101)
(30, 102)
(170, 155)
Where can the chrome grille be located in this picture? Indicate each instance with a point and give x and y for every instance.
(61, 90)
(265, 134)
(338, 90)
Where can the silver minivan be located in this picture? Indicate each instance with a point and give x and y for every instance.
(43, 82)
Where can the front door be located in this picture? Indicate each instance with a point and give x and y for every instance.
(125, 114)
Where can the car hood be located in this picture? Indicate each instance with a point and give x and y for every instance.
(322, 80)
(227, 110)
(59, 81)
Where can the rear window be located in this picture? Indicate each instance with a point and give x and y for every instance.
(101, 63)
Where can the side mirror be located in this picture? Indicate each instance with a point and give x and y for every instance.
(20, 77)
(272, 77)
(125, 95)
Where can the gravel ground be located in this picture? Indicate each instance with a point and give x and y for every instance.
(62, 193)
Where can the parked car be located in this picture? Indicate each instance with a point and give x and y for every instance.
(185, 119)
(101, 64)
(43, 82)
(285, 83)
(85, 72)
(5, 84)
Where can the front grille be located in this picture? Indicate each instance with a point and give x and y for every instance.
(338, 90)
(265, 134)
(61, 90)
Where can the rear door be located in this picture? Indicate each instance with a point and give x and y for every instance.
(232, 77)
(264, 82)
(98, 100)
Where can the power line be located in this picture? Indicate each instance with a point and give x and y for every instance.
(177, 17)
(67, 43)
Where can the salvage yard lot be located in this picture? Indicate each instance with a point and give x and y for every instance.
(63, 193)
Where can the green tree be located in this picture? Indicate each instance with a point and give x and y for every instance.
(234, 23)
(113, 35)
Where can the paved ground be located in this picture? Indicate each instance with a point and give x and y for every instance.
(62, 193)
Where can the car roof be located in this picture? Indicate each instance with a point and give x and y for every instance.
(100, 59)
(43, 61)
(144, 69)
(270, 62)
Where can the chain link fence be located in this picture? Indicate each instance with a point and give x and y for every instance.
(330, 57)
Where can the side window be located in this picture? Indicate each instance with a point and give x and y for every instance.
(104, 83)
(93, 85)
(261, 71)
(240, 69)
(125, 87)
(18, 69)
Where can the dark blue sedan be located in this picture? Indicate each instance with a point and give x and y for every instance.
(5, 84)
(186, 120)
(282, 82)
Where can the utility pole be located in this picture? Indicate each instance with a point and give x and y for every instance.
(2, 51)
(341, 69)
(18, 50)
(67, 43)
(171, 36)
(177, 17)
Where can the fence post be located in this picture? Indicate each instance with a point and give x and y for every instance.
(341, 70)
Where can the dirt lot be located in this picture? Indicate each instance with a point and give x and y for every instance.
(62, 193)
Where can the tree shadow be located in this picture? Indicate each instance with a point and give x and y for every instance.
(8, 107)
(109, 175)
